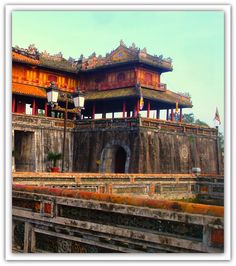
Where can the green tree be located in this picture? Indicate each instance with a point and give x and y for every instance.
(221, 141)
(200, 123)
(188, 118)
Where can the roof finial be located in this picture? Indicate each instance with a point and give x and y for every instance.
(133, 46)
(122, 42)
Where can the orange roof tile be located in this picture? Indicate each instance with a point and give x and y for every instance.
(25, 89)
(22, 58)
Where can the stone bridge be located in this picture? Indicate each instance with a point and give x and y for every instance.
(64, 220)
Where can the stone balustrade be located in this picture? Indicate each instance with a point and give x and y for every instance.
(160, 125)
(156, 186)
(40, 121)
(62, 220)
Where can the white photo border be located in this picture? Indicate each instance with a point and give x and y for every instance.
(228, 119)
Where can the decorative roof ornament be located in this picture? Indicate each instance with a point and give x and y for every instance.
(81, 57)
(133, 46)
(32, 50)
(169, 59)
(122, 43)
(92, 55)
(143, 52)
(71, 59)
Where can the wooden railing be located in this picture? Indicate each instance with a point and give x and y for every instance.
(71, 221)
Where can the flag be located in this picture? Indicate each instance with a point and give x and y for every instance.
(141, 102)
(217, 116)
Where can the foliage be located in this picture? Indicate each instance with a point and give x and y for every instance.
(221, 141)
(41, 112)
(200, 123)
(15, 154)
(188, 118)
(54, 157)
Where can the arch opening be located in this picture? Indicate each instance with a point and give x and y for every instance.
(114, 159)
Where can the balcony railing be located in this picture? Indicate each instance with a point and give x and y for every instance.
(160, 125)
(34, 120)
(86, 124)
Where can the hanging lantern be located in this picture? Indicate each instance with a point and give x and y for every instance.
(52, 93)
(78, 98)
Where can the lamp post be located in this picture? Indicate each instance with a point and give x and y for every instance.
(52, 98)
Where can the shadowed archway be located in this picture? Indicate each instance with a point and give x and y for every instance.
(115, 158)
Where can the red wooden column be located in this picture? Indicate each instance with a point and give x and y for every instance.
(46, 109)
(124, 108)
(93, 111)
(158, 114)
(148, 109)
(34, 111)
(138, 107)
(13, 103)
(181, 115)
(135, 111)
(167, 114)
(172, 114)
(103, 112)
(128, 113)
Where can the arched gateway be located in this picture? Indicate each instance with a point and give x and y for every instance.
(115, 158)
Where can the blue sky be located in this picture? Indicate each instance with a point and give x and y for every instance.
(193, 39)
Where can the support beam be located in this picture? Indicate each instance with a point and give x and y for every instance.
(124, 108)
(46, 109)
(13, 103)
(27, 237)
(172, 114)
(103, 114)
(181, 115)
(158, 114)
(35, 110)
(138, 107)
(148, 109)
(93, 111)
(167, 114)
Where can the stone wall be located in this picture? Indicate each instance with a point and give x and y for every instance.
(151, 151)
(45, 137)
(165, 148)
(167, 152)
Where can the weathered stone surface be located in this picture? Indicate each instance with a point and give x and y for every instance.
(127, 147)
(33, 139)
(109, 221)
(151, 151)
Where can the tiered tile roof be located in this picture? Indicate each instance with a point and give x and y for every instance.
(29, 90)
